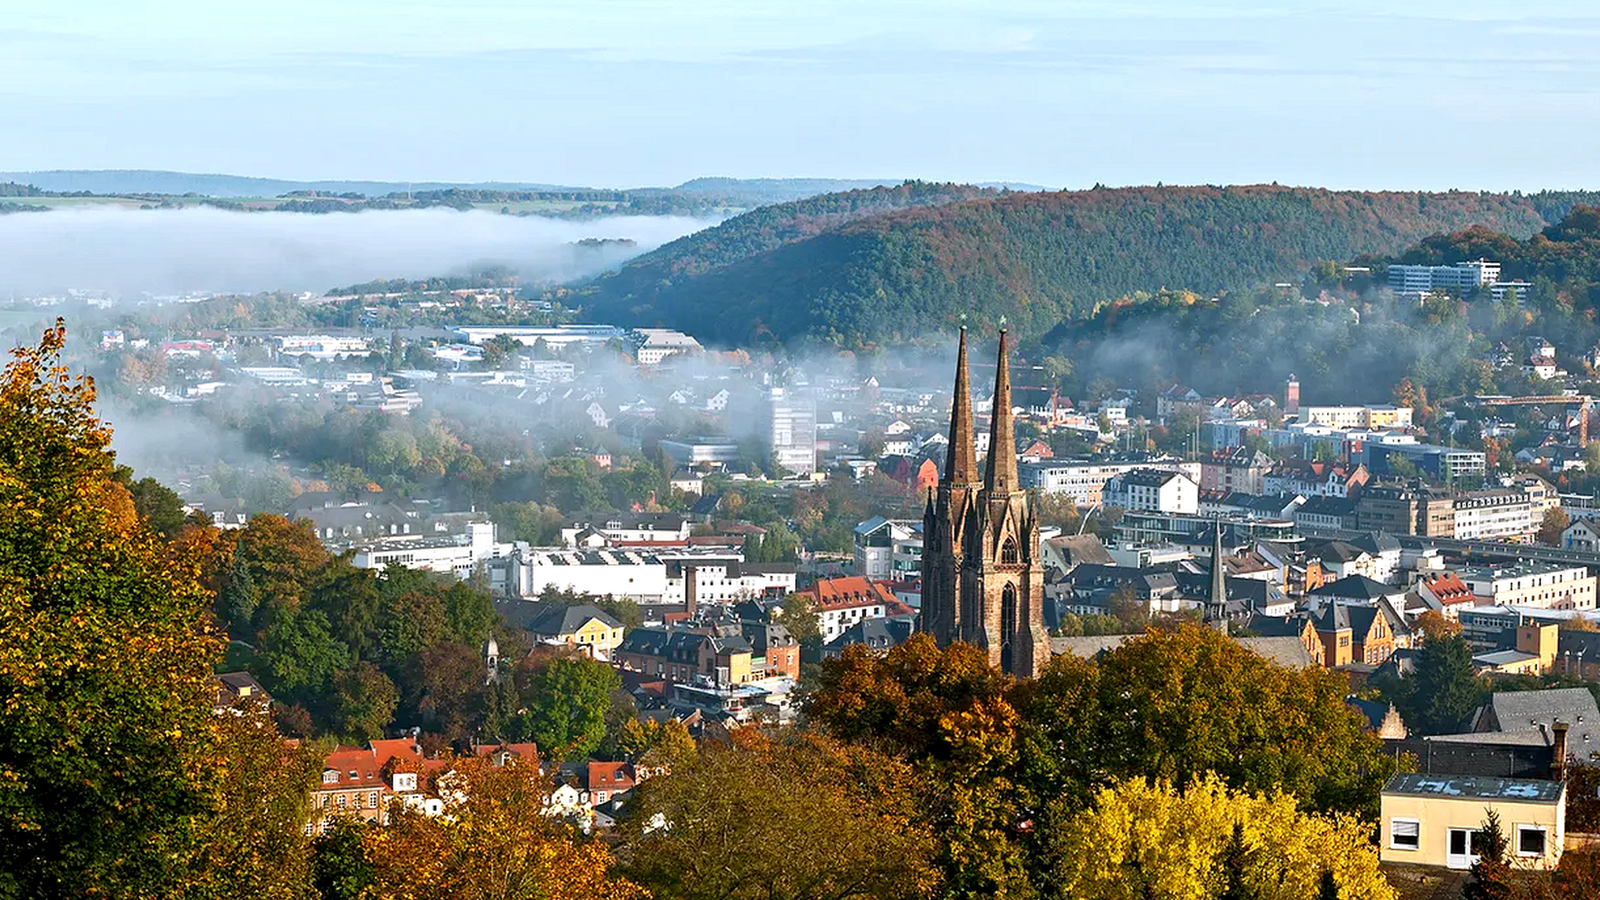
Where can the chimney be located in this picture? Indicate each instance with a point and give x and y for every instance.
(1291, 396)
(1558, 751)
(690, 589)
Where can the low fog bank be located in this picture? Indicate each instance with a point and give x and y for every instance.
(130, 251)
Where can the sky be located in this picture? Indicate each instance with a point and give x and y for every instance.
(1473, 94)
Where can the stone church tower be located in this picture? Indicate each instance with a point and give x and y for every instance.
(982, 582)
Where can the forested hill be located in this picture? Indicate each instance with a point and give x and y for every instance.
(764, 229)
(836, 270)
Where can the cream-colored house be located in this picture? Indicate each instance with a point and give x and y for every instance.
(1432, 820)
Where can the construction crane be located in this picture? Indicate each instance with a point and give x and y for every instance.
(1583, 402)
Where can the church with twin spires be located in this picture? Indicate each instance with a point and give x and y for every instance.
(982, 581)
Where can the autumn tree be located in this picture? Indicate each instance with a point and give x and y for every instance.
(105, 657)
(946, 711)
(1432, 624)
(1554, 522)
(497, 844)
(252, 842)
(1148, 839)
(828, 815)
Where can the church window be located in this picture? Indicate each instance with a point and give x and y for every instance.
(1008, 551)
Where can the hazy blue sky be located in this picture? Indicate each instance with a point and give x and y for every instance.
(1468, 93)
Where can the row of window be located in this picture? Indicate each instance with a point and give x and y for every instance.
(1406, 834)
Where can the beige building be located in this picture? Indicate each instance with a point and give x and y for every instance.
(1537, 584)
(1432, 820)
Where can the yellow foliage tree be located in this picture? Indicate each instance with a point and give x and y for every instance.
(495, 845)
(1144, 839)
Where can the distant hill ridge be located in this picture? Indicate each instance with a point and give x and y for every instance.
(149, 181)
(874, 267)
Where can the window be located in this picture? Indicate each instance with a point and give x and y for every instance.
(1404, 834)
(372, 800)
(330, 777)
(341, 801)
(1530, 840)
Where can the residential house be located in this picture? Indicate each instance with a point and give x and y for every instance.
(352, 785)
(878, 635)
(1296, 626)
(236, 688)
(1354, 634)
(1152, 490)
(1432, 820)
(1446, 593)
(584, 625)
(1537, 714)
(603, 781)
(1314, 478)
(679, 655)
(1583, 535)
(842, 602)
(1235, 469)
(888, 549)
(1321, 511)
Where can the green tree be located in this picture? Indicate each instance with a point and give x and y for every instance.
(798, 615)
(364, 701)
(564, 706)
(299, 655)
(339, 866)
(1491, 874)
(1444, 690)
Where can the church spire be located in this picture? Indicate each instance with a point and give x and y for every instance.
(1000, 476)
(961, 459)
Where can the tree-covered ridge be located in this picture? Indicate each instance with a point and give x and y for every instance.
(1034, 258)
(764, 229)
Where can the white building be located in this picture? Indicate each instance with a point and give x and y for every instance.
(322, 346)
(456, 554)
(888, 549)
(1469, 275)
(792, 431)
(1533, 584)
(1084, 480)
(1150, 490)
(553, 336)
(701, 451)
(645, 577)
(652, 345)
(619, 530)
(1495, 515)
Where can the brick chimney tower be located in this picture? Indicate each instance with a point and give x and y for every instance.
(1558, 750)
(1291, 396)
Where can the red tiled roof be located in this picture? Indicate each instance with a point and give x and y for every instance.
(849, 592)
(347, 760)
(404, 748)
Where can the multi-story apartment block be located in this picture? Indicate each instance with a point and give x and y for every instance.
(1535, 584)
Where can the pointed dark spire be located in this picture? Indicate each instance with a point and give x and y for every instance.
(961, 457)
(1217, 607)
(1000, 474)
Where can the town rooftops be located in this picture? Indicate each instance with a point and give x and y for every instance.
(1474, 787)
(1514, 570)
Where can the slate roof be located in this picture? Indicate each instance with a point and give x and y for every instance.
(559, 620)
(881, 633)
(1082, 548)
(1512, 790)
(1355, 587)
